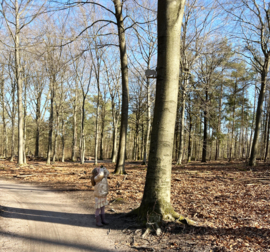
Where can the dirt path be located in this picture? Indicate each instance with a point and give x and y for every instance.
(37, 219)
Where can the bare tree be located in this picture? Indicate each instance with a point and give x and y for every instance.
(14, 13)
(252, 18)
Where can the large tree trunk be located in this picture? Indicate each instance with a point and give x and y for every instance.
(120, 165)
(157, 192)
(252, 160)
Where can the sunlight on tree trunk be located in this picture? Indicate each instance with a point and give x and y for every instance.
(156, 204)
(120, 165)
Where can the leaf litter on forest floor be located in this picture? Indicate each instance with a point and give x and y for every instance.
(230, 202)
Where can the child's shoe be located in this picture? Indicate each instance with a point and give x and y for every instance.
(103, 221)
(98, 221)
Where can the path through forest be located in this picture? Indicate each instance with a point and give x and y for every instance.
(37, 219)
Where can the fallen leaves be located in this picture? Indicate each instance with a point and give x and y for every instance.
(230, 203)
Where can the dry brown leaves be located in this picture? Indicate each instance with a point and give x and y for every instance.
(230, 202)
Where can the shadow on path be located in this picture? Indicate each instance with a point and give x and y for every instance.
(66, 244)
(73, 219)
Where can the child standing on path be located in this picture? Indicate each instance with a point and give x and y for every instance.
(99, 180)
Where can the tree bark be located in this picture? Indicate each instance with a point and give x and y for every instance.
(205, 123)
(147, 135)
(19, 86)
(267, 138)
(120, 165)
(74, 142)
(13, 124)
(219, 124)
(190, 138)
(24, 124)
(182, 127)
(115, 122)
(156, 198)
(84, 93)
(38, 103)
(82, 151)
(252, 160)
(97, 120)
(4, 114)
(49, 151)
(102, 129)
(63, 136)
(253, 120)
(56, 138)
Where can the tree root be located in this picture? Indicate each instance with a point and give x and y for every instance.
(153, 220)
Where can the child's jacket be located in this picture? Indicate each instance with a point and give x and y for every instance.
(101, 187)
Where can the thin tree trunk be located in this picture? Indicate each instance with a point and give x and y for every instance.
(97, 129)
(219, 124)
(102, 130)
(4, 115)
(252, 160)
(190, 138)
(114, 152)
(148, 123)
(38, 103)
(82, 132)
(182, 127)
(56, 138)
(265, 129)
(267, 138)
(120, 165)
(19, 86)
(74, 142)
(242, 148)
(205, 123)
(63, 137)
(253, 121)
(49, 151)
(24, 127)
(13, 124)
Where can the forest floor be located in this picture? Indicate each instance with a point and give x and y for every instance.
(229, 202)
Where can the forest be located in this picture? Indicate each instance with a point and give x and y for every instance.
(172, 96)
(67, 93)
